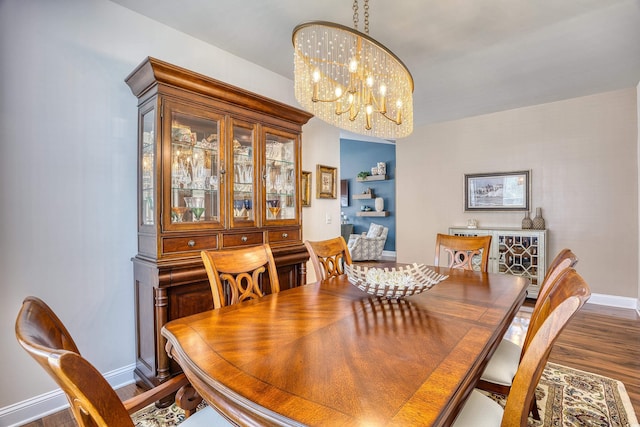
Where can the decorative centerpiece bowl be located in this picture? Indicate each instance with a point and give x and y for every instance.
(395, 282)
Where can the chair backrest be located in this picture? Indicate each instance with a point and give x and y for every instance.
(239, 272)
(576, 292)
(41, 333)
(564, 260)
(328, 257)
(462, 250)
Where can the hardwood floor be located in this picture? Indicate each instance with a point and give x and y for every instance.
(599, 339)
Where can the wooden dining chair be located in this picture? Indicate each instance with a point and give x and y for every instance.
(93, 402)
(559, 307)
(328, 257)
(498, 375)
(240, 273)
(462, 250)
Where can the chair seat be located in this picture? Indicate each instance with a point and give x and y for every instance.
(206, 417)
(503, 365)
(479, 404)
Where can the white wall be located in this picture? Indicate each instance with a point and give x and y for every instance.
(68, 168)
(322, 147)
(638, 153)
(582, 154)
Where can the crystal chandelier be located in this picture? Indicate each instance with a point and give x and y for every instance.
(348, 79)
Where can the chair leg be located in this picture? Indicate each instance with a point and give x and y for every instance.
(534, 409)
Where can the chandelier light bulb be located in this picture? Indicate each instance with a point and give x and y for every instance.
(353, 66)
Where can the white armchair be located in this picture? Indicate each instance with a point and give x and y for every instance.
(369, 245)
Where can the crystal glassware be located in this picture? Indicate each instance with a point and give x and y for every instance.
(274, 207)
(177, 213)
(196, 205)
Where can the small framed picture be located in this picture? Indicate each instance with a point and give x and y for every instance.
(306, 188)
(500, 191)
(326, 182)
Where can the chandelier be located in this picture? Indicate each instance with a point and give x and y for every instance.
(348, 79)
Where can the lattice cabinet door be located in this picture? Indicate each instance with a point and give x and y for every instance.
(522, 254)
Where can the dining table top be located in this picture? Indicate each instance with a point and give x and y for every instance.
(329, 354)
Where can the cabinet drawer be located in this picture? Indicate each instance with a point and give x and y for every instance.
(186, 244)
(242, 239)
(282, 236)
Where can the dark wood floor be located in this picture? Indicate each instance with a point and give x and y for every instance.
(599, 339)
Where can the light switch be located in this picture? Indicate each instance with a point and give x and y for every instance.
(327, 218)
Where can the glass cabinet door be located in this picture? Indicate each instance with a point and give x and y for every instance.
(148, 169)
(281, 184)
(243, 169)
(194, 177)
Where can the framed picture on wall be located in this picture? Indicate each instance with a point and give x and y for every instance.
(306, 188)
(499, 191)
(326, 182)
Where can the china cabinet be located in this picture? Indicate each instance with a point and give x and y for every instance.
(219, 167)
(514, 251)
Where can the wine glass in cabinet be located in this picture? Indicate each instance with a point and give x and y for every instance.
(281, 171)
(243, 169)
(195, 176)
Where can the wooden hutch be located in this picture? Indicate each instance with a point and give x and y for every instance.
(218, 167)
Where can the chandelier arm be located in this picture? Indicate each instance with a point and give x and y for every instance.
(397, 121)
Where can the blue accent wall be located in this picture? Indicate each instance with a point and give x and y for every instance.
(358, 156)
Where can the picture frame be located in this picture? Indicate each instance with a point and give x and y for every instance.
(498, 191)
(326, 182)
(305, 185)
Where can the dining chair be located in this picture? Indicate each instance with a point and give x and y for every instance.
(559, 306)
(462, 250)
(92, 400)
(498, 375)
(328, 257)
(239, 272)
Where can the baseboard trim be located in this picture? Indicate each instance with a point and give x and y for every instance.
(388, 255)
(51, 402)
(614, 301)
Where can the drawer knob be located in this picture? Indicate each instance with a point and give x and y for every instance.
(285, 235)
(191, 243)
(244, 238)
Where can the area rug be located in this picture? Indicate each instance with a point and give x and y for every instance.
(566, 397)
(570, 397)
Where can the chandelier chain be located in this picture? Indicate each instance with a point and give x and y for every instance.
(356, 17)
(366, 16)
(355, 14)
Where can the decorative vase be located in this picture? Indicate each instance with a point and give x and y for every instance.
(527, 223)
(379, 204)
(538, 221)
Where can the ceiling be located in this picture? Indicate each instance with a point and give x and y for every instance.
(467, 57)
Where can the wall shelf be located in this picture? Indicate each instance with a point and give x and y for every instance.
(363, 196)
(373, 178)
(373, 213)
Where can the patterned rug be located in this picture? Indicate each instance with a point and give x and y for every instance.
(570, 397)
(566, 397)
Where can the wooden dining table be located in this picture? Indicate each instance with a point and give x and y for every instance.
(329, 354)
